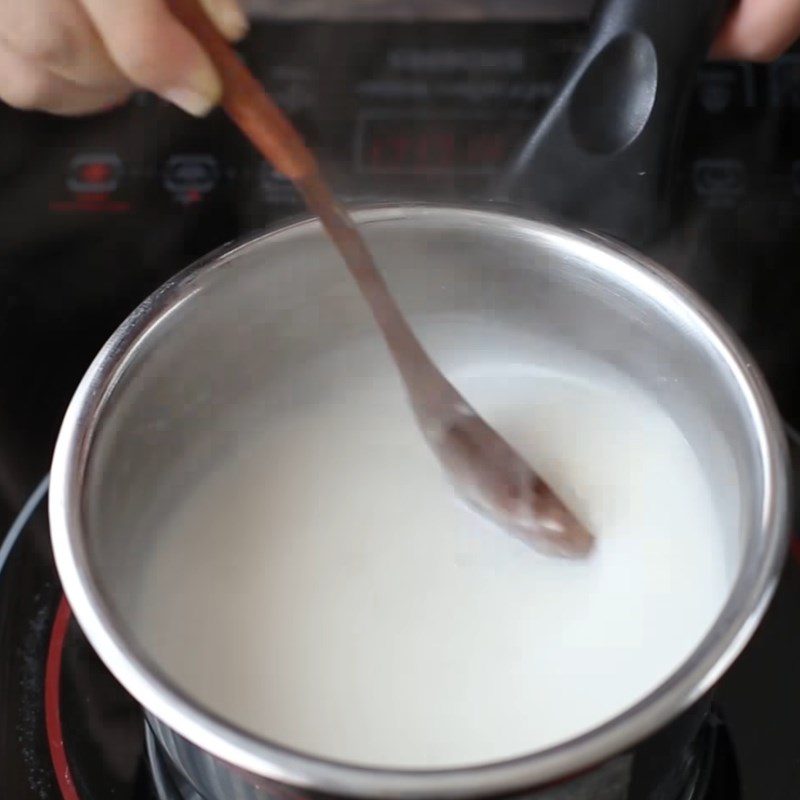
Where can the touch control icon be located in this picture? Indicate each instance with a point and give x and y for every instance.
(95, 173)
(190, 176)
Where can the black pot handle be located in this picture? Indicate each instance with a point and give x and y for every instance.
(602, 155)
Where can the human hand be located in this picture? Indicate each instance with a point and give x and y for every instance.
(758, 30)
(80, 56)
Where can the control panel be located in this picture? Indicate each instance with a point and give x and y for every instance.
(429, 112)
(111, 205)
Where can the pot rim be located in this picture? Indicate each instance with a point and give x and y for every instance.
(749, 596)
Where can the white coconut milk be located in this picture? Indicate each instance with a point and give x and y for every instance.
(324, 590)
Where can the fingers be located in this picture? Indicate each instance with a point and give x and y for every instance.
(28, 85)
(57, 36)
(153, 50)
(228, 16)
(70, 56)
(758, 30)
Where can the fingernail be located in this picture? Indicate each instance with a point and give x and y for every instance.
(199, 91)
(228, 16)
(191, 101)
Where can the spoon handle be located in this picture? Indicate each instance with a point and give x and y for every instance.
(274, 136)
(485, 469)
(245, 100)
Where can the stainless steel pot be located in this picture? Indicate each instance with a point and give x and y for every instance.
(170, 392)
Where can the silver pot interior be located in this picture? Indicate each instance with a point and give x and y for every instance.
(204, 362)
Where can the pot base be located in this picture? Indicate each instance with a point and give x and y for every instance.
(713, 775)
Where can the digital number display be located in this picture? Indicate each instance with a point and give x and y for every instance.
(430, 146)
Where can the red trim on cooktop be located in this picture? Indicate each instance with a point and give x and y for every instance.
(52, 702)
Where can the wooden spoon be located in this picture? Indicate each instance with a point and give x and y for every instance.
(484, 469)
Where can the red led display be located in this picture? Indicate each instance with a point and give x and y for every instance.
(418, 147)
